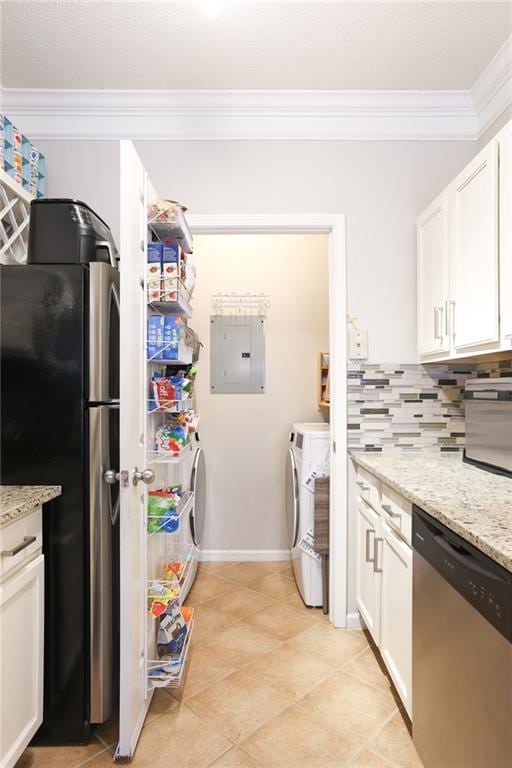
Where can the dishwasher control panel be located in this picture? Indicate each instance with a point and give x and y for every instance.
(485, 584)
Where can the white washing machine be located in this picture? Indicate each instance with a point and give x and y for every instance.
(307, 444)
(192, 475)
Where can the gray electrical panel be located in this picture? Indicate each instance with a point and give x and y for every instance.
(237, 354)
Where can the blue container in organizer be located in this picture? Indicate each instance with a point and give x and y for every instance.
(173, 327)
(155, 336)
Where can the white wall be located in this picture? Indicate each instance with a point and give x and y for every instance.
(245, 436)
(380, 186)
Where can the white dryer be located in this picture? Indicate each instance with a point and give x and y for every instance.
(307, 444)
(192, 476)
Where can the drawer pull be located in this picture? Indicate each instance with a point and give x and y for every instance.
(376, 568)
(387, 508)
(367, 555)
(27, 541)
(362, 486)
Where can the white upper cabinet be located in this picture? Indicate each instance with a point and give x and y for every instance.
(465, 260)
(505, 228)
(433, 277)
(475, 252)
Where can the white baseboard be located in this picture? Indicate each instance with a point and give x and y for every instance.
(354, 621)
(239, 555)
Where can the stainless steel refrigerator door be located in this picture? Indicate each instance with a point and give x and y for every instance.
(103, 333)
(104, 504)
(462, 679)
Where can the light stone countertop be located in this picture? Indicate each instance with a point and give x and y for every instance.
(472, 502)
(16, 501)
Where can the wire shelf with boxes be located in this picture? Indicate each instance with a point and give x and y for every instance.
(172, 456)
(167, 352)
(170, 623)
(166, 219)
(169, 406)
(167, 298)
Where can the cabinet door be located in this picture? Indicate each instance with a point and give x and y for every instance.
(368, 577)
(505, 195)
(474, 250)
(433, 277)
(396, 613)
(21, 641)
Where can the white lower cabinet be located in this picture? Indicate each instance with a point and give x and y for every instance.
(368, 571)
(21, 641)
(384, 580)
(396, 613)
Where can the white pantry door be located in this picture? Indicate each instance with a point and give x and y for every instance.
(134, 699)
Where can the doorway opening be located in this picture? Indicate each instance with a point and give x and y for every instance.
(299, 263)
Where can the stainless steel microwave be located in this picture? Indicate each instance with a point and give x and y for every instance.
(489, 424)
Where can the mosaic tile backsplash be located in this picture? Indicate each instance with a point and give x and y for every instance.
(411, 407)
(494, 370)
(406, 407)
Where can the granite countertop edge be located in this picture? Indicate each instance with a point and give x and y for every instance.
(484, 541)
(17, 501)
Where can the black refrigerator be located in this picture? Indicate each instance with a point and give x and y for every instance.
(59, 380)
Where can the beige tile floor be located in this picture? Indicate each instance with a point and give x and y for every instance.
(270, 684)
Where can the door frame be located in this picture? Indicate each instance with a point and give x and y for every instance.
(334, 226)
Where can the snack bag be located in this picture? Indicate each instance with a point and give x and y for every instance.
(164, 391)
(172, 632)
(160, 596)
(178, 381)
(162, 515)
(170, 437)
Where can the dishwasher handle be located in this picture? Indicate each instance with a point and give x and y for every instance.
(465, 558)
(479, 579)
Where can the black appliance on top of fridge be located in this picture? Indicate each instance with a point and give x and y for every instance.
(60, 426)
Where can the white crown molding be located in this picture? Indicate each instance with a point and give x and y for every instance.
(206, 115)
(492, 92)
(265, 115)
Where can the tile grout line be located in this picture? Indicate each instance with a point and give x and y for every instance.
(93, 757)
(291, 702)
(364, 745)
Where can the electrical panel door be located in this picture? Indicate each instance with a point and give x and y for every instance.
(237, 354)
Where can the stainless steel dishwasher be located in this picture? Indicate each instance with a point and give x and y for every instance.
(462, 651)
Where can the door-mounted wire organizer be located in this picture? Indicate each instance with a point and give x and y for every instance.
(169, 561)
(240, 303)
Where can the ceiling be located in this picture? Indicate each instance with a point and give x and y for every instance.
(116, 44)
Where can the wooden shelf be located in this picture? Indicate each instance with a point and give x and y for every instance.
(323, 381)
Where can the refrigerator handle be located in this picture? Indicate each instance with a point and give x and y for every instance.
(115, 296)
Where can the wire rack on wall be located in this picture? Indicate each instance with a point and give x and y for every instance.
(14, 220)
(241, 303)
